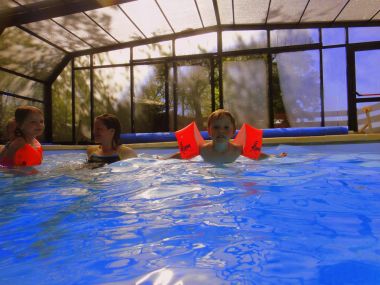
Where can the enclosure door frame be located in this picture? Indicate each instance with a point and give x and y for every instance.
(353, 100)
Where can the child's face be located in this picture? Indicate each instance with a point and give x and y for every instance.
(101, 133)
(33, 125)
(221, 129)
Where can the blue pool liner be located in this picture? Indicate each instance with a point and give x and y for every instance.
(267, 133)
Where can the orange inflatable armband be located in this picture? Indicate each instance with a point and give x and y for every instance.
(189, 140)
(251, 140)
(28, 155)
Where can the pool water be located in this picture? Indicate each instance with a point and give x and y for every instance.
(310, 218)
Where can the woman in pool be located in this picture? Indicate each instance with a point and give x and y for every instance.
(107, 133)
(221, 128)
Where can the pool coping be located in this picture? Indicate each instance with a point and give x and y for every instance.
(350, 138)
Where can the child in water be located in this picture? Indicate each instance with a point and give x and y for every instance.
(221, 128)
(10, 128)
(23, 149)
(107, 133)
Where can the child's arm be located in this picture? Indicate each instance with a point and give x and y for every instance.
(264, 155)
(176, 155)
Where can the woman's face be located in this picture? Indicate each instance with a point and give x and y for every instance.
(33, 125)
(102, 134)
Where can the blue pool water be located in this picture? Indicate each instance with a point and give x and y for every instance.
(310, 218)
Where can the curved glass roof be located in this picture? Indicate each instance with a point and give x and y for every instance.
(37, 35)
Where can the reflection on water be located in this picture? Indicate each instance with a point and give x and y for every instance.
(303, 219)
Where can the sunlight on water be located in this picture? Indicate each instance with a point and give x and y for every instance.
(310, 218)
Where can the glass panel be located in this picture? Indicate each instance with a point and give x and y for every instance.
(8, 106)
(368, 113)
(21, 86)
(367, 34)
(156, 25)
(358, 11)
(280, 118)
(322, 10)
(225, 11)
(280, 38)
(206, 9)
(333, 36)
(5, 4)
(83, 27)
(300, 87)
(62, 107)
(82, 61)
(82, 106)
(26, 54)
(367, 71)
(289, 11)
(181, 14)
(194, 93)
(112, 57)
(241, 40)
(161, 49)
(113, 20)
(250, 11)
(206, 43)
(54, 33)
(246, 90)
(112, 94)
(335, 87)
(150, 98)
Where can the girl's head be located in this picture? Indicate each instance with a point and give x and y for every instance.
(221, 125)
(29, 121)
(107, 127)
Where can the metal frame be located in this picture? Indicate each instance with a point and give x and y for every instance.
(351, 82)
(48, 9)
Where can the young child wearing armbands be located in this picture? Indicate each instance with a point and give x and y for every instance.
(107, 130)
(221, 128)
(23, 149)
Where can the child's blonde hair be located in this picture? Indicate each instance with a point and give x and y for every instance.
(218, 114)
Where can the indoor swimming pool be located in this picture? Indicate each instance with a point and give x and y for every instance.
(312, 217)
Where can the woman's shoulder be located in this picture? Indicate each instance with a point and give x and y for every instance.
(126, 152)
(92, 149)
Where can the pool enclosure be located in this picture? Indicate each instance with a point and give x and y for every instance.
(160, 64)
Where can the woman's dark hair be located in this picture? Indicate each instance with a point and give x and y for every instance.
(112, 122)
(21, 114)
